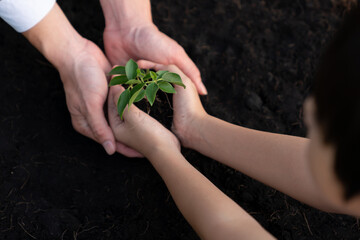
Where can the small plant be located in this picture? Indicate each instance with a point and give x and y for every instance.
(141, 83)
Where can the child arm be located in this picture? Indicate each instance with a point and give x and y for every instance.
(209, 211)
(277, 160)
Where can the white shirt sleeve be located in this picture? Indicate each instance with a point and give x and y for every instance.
(24, 14)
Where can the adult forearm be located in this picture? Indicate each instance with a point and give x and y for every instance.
(211, 213)
(55, 37)
(123, 13)
(279, 161)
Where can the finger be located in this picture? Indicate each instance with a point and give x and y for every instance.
(115, 122)
(81, 126)
(101, 130)
(127, 151)
(114, 119)
(149, 64)
(128, 112)
(106, 66)
(186, 65)
(145, 64)
(115, 92)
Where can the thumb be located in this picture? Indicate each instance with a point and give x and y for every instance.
(188, 67)
(102, 133)
(115, 92)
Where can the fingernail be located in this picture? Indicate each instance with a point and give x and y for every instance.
(203, 89)
(109, 147)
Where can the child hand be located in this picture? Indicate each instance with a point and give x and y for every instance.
(138, 130)
(188, 110)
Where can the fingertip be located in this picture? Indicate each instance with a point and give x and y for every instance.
(202, 89)
(101, 131)
(146, 64)
(109, 147)
(188, 67)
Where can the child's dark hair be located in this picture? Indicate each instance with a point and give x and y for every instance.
(337, 98)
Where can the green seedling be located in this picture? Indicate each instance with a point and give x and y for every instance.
(141, 83)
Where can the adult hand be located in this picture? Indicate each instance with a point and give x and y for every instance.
(82, 67)
(137, 129)
(188, 110)
(86, 90)
(147, 42)
(130, 33)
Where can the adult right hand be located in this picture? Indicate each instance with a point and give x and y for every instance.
(86, 90)
(82, 67)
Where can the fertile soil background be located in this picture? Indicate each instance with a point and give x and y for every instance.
(257, 59)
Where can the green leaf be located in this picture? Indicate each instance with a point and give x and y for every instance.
(117, 70)
(118, 80)
(131, 69)
(173, 78)
(161, 73)
(147, 76)
(122, 102)
(135, 92)
(140, 73)
(153, 75)
(133, 81)
(180, 84)
(133, 97)
(151, 91)
(140, 96)
(166, 87)
(136, 88)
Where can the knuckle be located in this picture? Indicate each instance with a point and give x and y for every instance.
(99, 132)
(80, 127)
(90, 106)
(179, 50)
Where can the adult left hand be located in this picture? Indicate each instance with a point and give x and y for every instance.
(148, 43)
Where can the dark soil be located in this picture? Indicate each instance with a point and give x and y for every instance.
(257, 59)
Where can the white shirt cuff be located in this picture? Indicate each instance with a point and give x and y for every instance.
(24, 14)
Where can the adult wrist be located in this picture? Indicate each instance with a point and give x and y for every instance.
(125, 14)
(66, 53)
(55, 38)
(63, 53)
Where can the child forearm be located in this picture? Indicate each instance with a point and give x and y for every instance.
(277, 160)
(211, 213)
